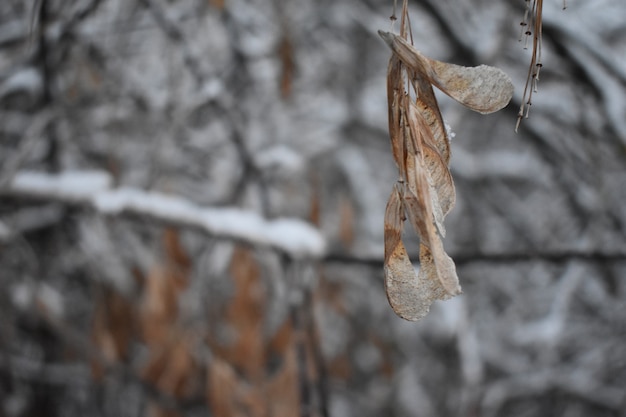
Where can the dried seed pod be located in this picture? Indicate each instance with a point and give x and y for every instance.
(421, 148)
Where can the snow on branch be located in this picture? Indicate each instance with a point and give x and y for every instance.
(295, 237)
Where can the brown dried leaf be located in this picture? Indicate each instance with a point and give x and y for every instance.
(172, 368)
(158, 309)
(163, 284)
(177, 257)
(218, 4)
(483, 89)
(244, 315)
(288, 65)
(222, 389)
(281, 389)
(112, 329)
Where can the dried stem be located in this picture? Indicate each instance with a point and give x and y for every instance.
(535, 21)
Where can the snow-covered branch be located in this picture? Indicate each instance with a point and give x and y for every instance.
(294, 237)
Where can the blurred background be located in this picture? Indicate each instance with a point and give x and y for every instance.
(239, 272)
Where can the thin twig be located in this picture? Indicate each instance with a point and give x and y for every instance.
(32, 135)
(176, 35)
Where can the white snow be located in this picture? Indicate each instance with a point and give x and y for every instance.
(293, 236)
(157, 204)
(212, 89)
(12, 31)
(24, 295)
(281, 158)
(72, 185)
(449, 132)
(28, 79)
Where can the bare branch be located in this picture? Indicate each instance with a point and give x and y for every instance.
(295, 238)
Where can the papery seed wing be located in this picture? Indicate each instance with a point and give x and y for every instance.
(409, 298)
(443, 269)
(415, 211)
(425, 194)
(437, 168)
(395, 94)
(429, 275)
(394, 220)
(408, 54)
(483, 89)
(410, 295)
(427, 107)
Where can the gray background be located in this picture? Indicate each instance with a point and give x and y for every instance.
(184, 98)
